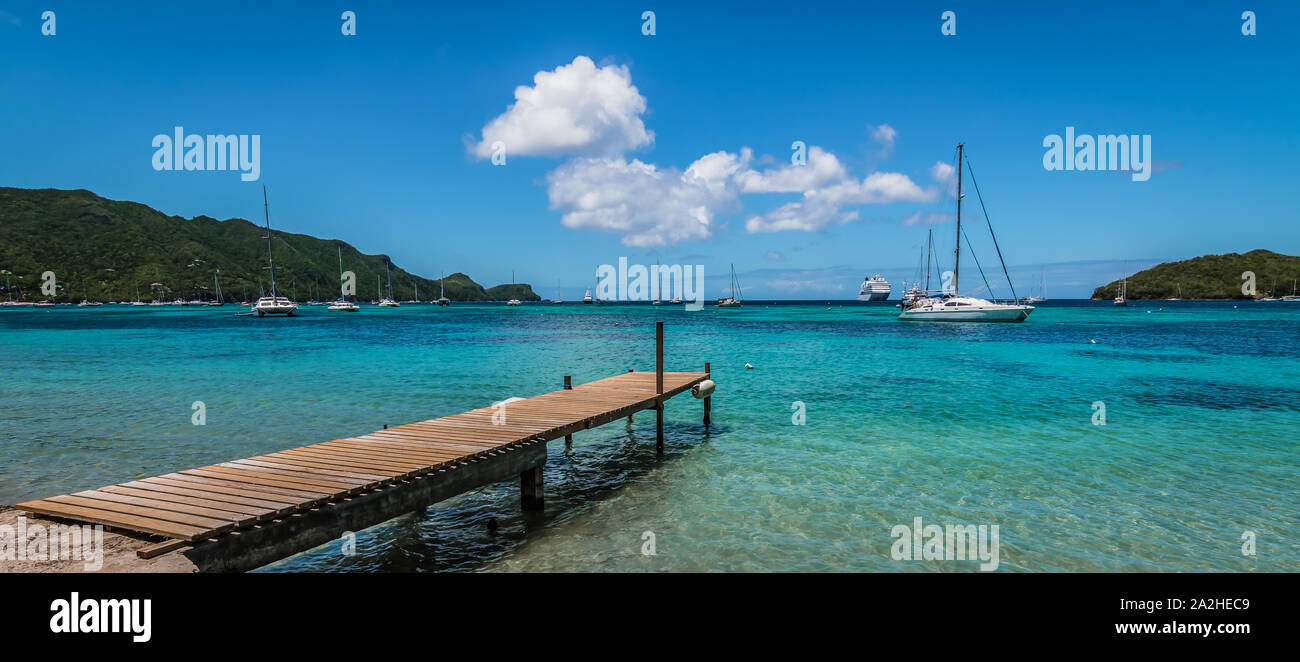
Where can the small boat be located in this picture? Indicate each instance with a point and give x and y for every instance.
(953, 307)
(1292, 298)
(732, 301)
(44, 304)
(586, 298)
(389, 301)
(1122, 299)
(1180, 293)
(442, 294)
(217, 287)
(342, 303)
(274, 304)
(513, 302)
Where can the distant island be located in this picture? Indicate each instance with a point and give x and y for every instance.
(1211, 277)
(104, 249)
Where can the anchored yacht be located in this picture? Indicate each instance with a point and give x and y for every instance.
(953, 307)
(274, 304)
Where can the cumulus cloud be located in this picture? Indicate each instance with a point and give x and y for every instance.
(832, 205)
(821, 169)
(648, 205)
(593, 116)
(577, 109)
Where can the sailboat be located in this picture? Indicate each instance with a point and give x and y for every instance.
(274, 304)
(1042, 289)
(952, 306)
(1292, 296)
(1122, 299)
(1180, 293)
(558, 297)
(442, 293)
(388, 301)
(732, 301)
(217, 287)
(137, 301)
(343, 304)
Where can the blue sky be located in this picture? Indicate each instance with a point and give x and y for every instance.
(371, 138)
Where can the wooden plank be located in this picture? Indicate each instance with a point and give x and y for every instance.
(188, 484)
(208, 523)
(240, 519)
(109, 518)
(238, 508)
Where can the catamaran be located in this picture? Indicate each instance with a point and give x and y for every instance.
(952, 306)
(732, 301)
(442, 294)
(388, 301)
(343, 304)
(274, 304)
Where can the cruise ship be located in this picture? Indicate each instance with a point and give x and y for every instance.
(875, 288)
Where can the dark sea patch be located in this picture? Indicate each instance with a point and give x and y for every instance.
(1216, 395)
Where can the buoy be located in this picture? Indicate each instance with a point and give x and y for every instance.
(1092, 342)
(703, 389)
(749, 366)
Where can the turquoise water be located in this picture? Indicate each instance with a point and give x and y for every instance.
(957, 424)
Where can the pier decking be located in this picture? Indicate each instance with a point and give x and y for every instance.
(347, 484)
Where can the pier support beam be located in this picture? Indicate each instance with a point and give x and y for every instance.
(568, 438)
(530, 490)
(659, 386)
(708, 400)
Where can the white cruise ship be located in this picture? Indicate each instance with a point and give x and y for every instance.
(875, 288)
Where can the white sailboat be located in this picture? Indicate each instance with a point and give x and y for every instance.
(388, 301)
(1122, 299)
(952, 306)
(343, 304)
(1292, 296)
(274, 304)
(559, 298)
(734, 300)
(442, 293)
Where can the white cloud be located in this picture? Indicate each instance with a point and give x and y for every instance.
(830, 205)
(577, 109)
(774, 256)
(932, 218)
(884, 135)
(945, 175)
(650, 206)
(821, 169)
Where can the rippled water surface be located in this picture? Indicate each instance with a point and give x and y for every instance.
(957, 424)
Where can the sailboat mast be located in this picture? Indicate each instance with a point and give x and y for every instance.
(390, 279)
(956, 266)
(270, 260)
(341, 295)
(929, 250)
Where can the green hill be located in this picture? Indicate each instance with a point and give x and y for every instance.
(106, 248)
(512, 291)
(1211, 277)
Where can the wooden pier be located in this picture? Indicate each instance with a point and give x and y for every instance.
(244, 513)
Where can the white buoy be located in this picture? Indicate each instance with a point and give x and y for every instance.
(749, 366)
(1092, 342)
(703, 389)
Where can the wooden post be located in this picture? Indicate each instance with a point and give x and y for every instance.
(707, 404)
(659, 386)
(530, 489)
(629, 416)
(568, 438)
